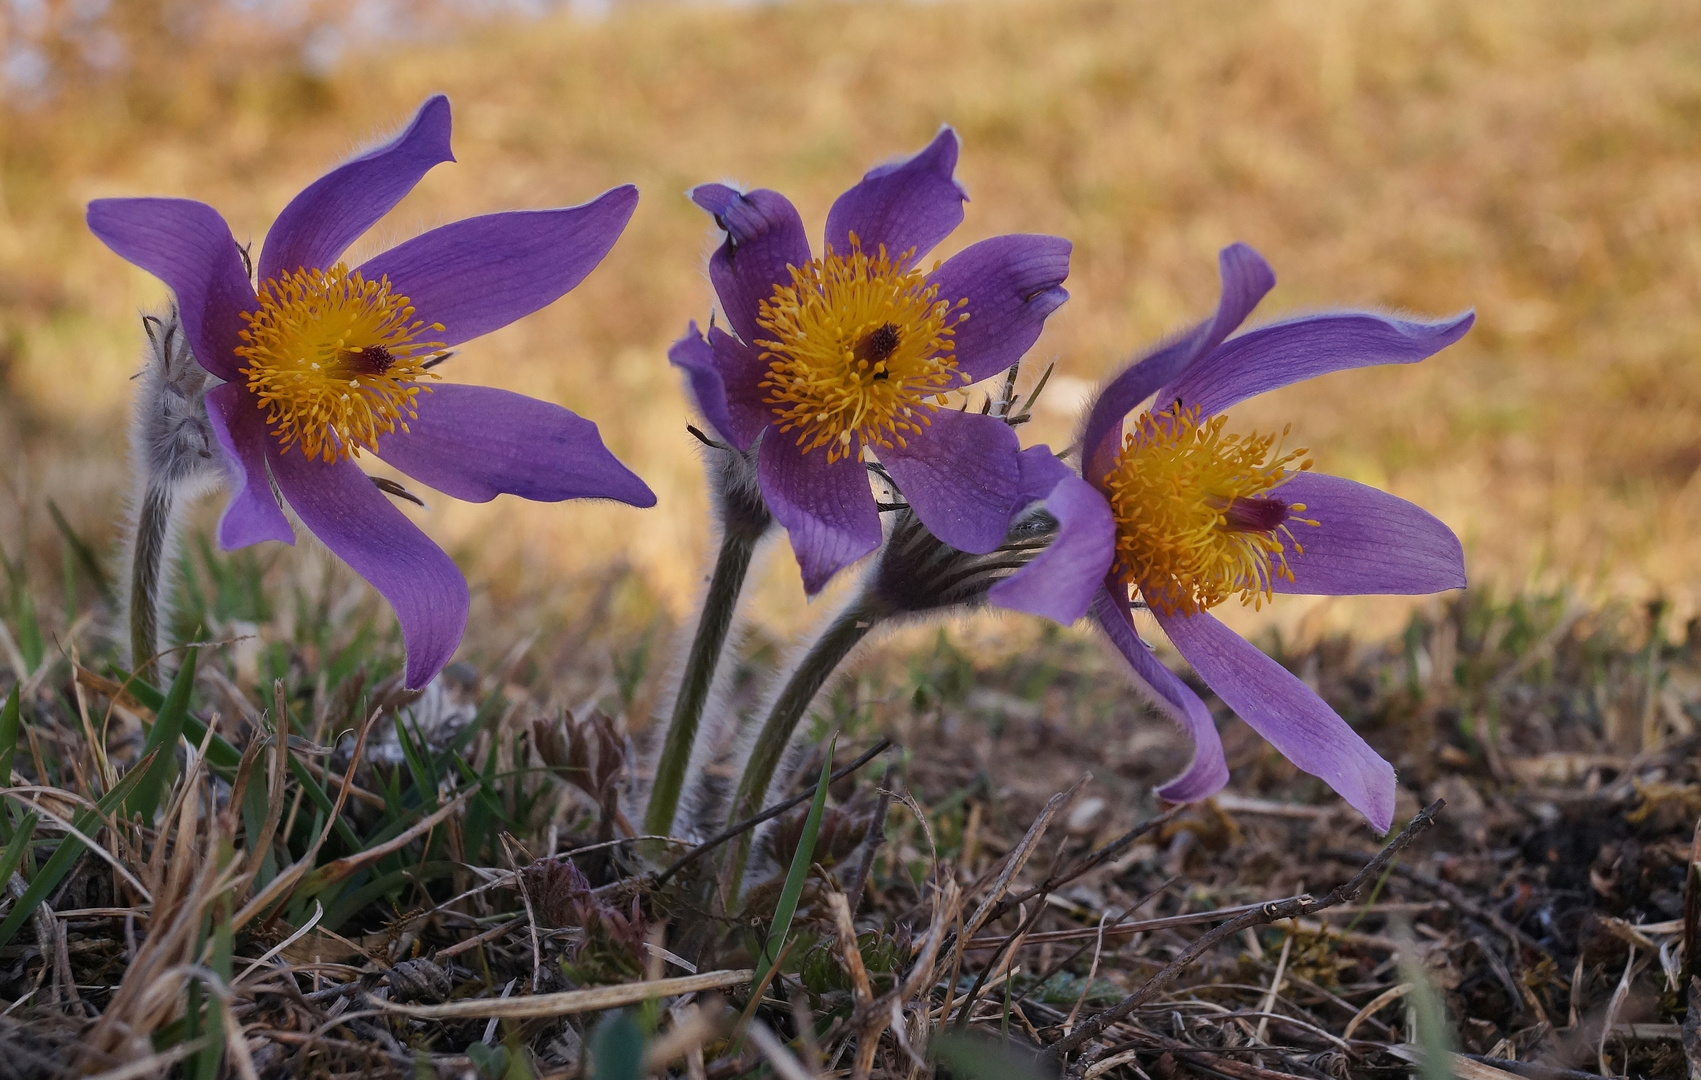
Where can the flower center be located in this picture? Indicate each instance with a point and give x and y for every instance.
(1193, 522)
(860, 350)
(333, 360)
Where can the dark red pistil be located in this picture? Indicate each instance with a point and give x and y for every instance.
(372, 360)
(1254, 515)
(878, 347)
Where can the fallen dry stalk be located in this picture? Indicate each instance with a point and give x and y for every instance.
(571, 1002)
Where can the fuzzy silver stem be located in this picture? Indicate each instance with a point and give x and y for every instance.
(173, 458)
(147, 568)
(744, 521)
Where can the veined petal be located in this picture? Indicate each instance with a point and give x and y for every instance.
(764, 236)
(1246, 277)
(1287, 352)
(187, 245)
(345, 510)
(724, 373)
(253, 514)
(1286, 712)
(1062, 580)
(1366, 541)
(480, 274)
(1206, 774)
(477, 442)
(828, 509)
(909, 204)
(1011, 284)
(961, 476)
(319, 224)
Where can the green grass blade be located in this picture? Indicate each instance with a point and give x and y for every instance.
(85, 555)
(799, 871)
(59, 863)
(167, 729)
(10, 725)
(15, 848)
(220, 753)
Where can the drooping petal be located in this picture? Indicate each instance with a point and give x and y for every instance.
(1011, 284)
(1246, 277)
(907, 205)
(480, 274)
(1366, 541)
(1061, 581)
(253, 514)
(828, 509)
(724, 373)
(1206, 774)
(319, 224)
(1286, 712)
(1042, 471)
(187, 245)
(1288, 352)
(345, 510)
(961, 476)
(764, 235)
(478, 442)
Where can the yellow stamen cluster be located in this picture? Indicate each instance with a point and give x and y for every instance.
(1180, 537)
(860, 347)
(334, 360)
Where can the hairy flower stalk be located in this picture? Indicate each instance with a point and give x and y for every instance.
(917, 574)
(744, 521)
(174, 458)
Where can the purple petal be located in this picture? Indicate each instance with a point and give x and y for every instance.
(477, 442)
(187, 245)
(906, 205)
(480, 274)
(1366, 541)
(1042, 470)
(319, 224)
(342, 507)
(961, 476)
(827, 509)
(1061, 581)
(724, 373)
(253, 514)
(1286, 712)
(764, 235)
(1206, 774)
(1011, 283)
(1288, 352)
(1246, 278)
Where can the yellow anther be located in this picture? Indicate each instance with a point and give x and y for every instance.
(317, 335)
(860, 347)
(1194, 523)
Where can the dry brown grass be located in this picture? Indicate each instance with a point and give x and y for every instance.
(1533, 160)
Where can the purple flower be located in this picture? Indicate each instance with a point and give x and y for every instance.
(1183, 514)
(850, 352)
(323, 362)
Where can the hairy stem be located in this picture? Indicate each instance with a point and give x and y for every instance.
(147, 573)
(823, 658)
(738, 545)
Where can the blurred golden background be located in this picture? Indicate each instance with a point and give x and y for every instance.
(1536, 161)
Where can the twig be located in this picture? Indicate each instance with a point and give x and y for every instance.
(876, 836)
(1268, 913)
(771, 812)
